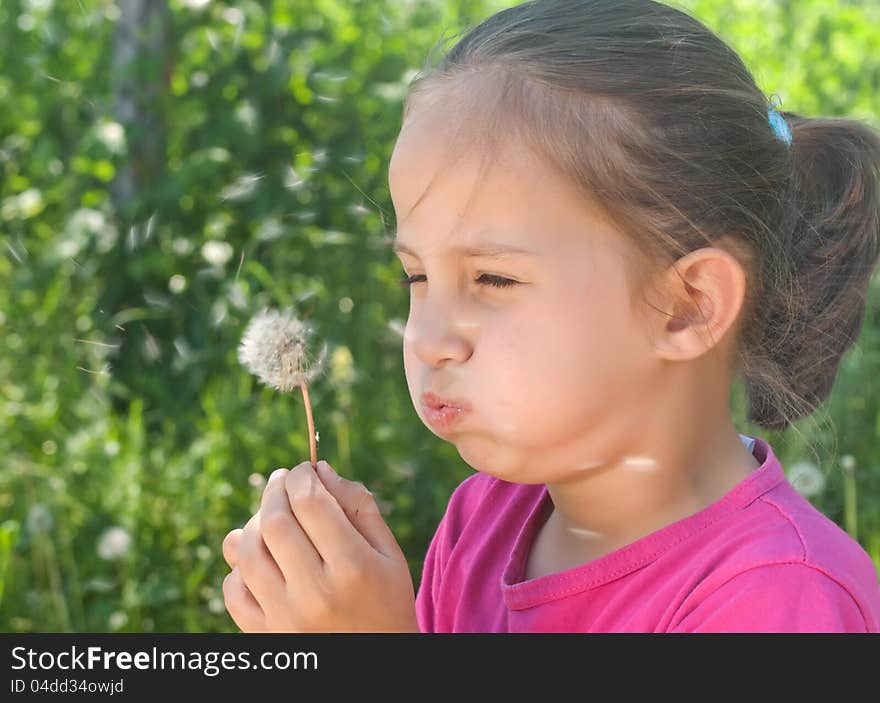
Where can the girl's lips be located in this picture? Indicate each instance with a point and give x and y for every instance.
(442, 418)
(431, 400)
(442, 413)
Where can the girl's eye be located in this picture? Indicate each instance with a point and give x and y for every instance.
(487, 278)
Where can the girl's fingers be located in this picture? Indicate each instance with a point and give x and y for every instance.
(230, 547)
(328, 528)
(241, 604)
(283, 535)
(258, 569)
(361, 509)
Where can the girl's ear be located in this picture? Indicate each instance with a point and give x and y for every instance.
(705, 290)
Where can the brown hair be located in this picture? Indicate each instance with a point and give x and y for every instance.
(659, 122)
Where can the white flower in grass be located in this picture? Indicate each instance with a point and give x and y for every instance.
(807, 479)
(114, 543)
(217, 253)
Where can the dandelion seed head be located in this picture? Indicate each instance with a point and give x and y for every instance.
(806, 478)
(346, 304)
(117, 620)
(114, 543)
(112, 135)
(182, 246)
(274, 348)
(217, 253)
(177, 283)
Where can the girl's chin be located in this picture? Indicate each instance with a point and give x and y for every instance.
(488, 457)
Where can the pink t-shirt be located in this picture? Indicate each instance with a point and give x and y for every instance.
(760, 559)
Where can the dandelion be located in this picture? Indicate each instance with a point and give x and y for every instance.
(274, 348)
(850, 495)
(217, 253)
(346, 304)
(114, 543)
(177, 283)
(112, 135)
(806, 478)
(117, 620)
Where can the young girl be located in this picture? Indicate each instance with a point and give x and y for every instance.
(604, 224)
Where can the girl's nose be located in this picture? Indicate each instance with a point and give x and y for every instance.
(438, 333)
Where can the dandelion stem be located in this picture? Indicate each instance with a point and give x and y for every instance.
(313, 449)
(850, 493)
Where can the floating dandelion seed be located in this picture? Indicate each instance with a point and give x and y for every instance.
(274, 348)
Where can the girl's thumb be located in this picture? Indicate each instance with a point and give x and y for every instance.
(361, 509)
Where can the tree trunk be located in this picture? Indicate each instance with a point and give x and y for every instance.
(140, 78)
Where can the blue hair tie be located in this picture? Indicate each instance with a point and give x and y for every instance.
(778, 123)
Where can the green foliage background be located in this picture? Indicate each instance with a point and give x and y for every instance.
(121, 400)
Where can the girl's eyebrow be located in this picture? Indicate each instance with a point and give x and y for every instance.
(487, 250)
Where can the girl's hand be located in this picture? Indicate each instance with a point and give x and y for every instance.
(317, 557)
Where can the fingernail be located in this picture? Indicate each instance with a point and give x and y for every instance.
(328, 468)
(276, 472)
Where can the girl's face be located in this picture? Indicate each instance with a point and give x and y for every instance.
(554, 366)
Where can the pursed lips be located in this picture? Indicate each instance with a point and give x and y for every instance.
(432, 400)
